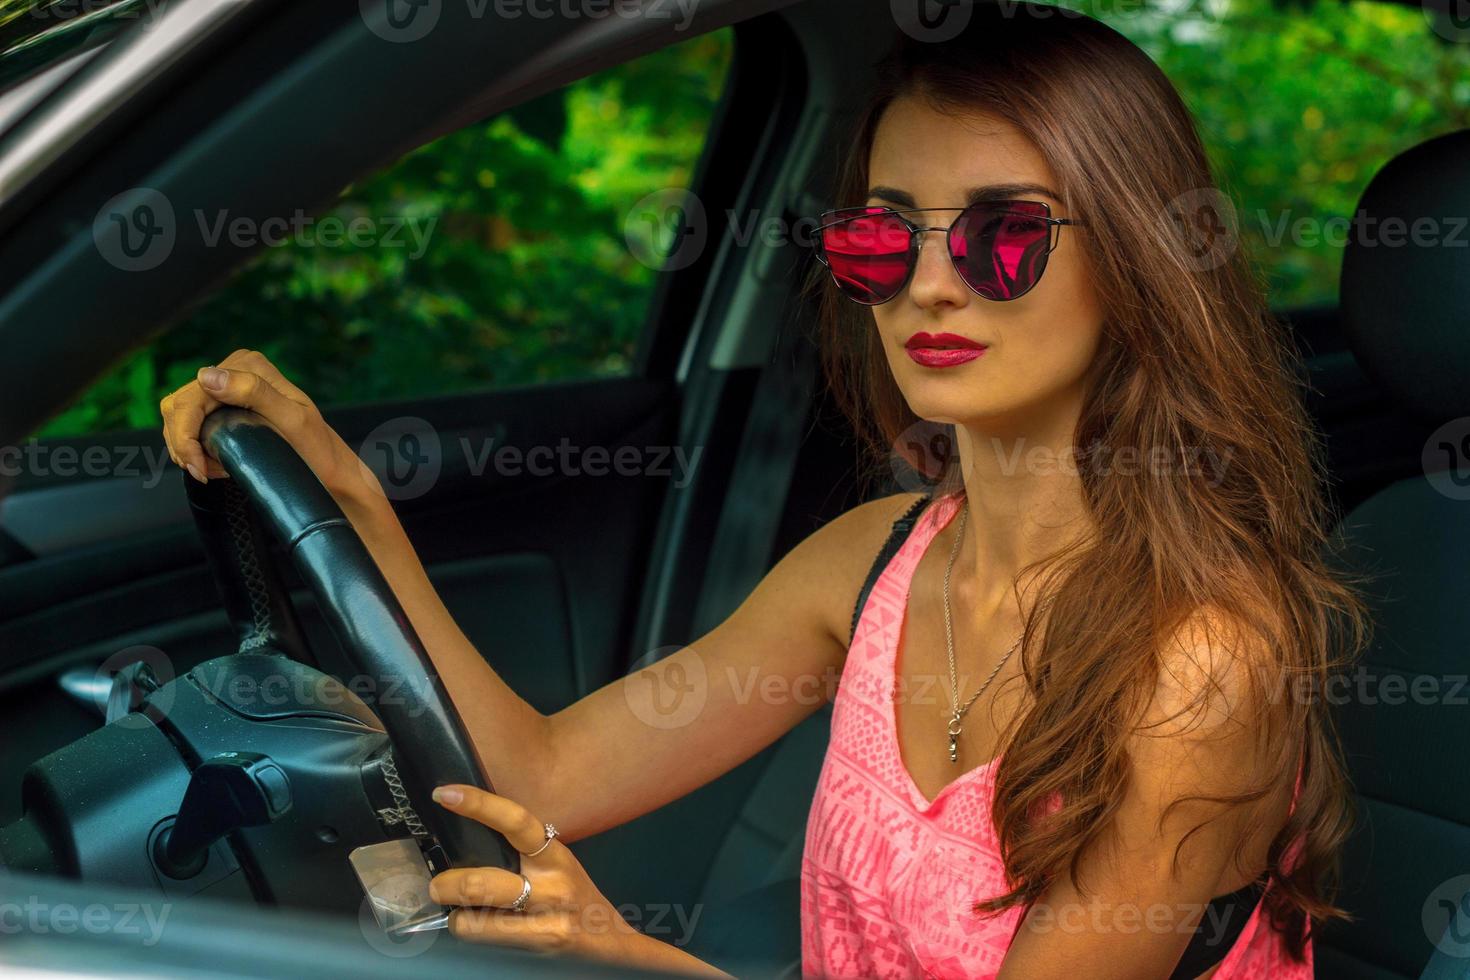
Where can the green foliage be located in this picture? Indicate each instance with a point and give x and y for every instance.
(528, 277)
(1299, 106)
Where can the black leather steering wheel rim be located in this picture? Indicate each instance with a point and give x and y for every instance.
(281, 496)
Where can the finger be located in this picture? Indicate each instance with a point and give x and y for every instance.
(499, 888)
(257, 363)
(490, 887)
(542, 931)
(243, 389)
(165, 411)
(514, 821)
(182, 422)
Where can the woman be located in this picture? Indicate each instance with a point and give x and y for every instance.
(1074, 722)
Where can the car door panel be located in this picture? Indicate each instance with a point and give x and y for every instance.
(507, 547)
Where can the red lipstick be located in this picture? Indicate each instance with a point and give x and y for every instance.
(942, 349)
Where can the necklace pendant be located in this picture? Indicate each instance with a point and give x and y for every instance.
(954, 739)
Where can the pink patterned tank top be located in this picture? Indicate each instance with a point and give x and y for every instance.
(887, 877)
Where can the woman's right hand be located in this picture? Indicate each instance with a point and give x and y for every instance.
(247, 379)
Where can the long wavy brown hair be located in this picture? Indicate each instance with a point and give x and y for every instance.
(1191, 357)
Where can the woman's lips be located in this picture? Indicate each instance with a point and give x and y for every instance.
(943, 357)
(942, 350)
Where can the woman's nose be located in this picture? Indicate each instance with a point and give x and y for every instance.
(935, 279)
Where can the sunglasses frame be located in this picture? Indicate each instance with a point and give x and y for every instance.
(917, 233)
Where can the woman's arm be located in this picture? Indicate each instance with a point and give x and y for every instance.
(639, 742)
(1139, 910)
(647, 739)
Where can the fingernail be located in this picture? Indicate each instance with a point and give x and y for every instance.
(213, 378)
(194, 472)
(448, 795)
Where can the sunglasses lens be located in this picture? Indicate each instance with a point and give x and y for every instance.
(869, 255)
(1001, 250)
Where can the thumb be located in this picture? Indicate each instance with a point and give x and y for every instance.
(244, 389)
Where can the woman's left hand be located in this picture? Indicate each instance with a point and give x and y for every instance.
(565, 912)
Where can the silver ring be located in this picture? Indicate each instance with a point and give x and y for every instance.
(550, 834)
(519, 905)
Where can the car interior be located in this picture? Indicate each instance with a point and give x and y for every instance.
(566, 583)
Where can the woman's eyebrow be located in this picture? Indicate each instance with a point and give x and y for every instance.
(985, 192)
(1001, 192)
(892, 196)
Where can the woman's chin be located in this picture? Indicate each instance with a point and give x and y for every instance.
(967, 410)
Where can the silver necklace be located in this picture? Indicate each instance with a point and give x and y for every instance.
(957, 713)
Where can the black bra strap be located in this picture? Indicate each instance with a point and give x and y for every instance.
(896, 537)
(1208, 947)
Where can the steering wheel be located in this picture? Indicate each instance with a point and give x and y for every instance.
(204, 785)
(432, 747)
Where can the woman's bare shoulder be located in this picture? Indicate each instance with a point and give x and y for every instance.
(858, 533)
(833, 561)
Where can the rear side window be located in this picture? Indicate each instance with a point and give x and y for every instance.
(37, 34)
(511, 252)
(1299, 105)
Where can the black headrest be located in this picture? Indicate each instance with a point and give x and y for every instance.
(1406, 277)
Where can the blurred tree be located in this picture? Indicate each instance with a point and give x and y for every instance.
(527, 275)
(524, 274)
(1299, 103)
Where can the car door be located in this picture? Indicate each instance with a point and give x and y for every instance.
(495, 320)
